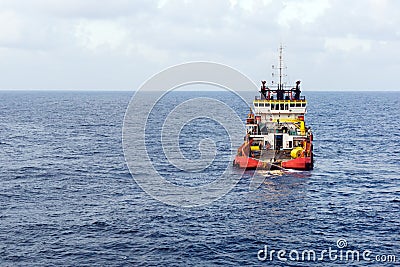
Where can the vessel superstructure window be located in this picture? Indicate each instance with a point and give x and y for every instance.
(277, 106)
(256, 104)
(272, 106)
(298, 104)
(261, 105)
(282, 106)
(304, 104)
(286, 106)
(267, 104)
(291, 105)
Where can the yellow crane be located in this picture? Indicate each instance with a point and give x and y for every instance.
(302, 126)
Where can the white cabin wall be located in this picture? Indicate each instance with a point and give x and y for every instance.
(286, 138)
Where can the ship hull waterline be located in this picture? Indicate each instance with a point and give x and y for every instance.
(302, 164)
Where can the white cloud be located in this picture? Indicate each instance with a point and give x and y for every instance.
(96, 9)
(304, 11)
(11, 28)
(97, 34)
(250, 5)
(347, 44)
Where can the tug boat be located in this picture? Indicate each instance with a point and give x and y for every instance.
(276, 133)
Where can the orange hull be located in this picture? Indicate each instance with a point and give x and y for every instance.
(244, 162)
(303, 164)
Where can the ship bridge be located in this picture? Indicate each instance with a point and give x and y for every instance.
(279, 106)
(280, 103)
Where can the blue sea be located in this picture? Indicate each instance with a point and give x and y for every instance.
(68, 198)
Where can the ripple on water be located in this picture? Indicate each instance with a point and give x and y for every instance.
(68, 198)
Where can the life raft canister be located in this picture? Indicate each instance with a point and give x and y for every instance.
(296, 152)
(255, 148)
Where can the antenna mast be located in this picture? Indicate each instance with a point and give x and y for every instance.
(280, 67)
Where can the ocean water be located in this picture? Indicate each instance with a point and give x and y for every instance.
(67, 197)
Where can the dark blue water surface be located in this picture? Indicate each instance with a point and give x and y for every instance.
(67, 197)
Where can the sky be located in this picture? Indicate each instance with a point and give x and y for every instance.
(119, 44)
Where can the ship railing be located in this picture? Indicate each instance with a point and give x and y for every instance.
(281, 92)
(274, 131)
(302, 98)
(258, 98)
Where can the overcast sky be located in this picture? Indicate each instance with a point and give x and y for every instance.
(118, 44)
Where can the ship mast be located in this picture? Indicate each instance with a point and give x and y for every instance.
(280, 91)
(280, 86)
